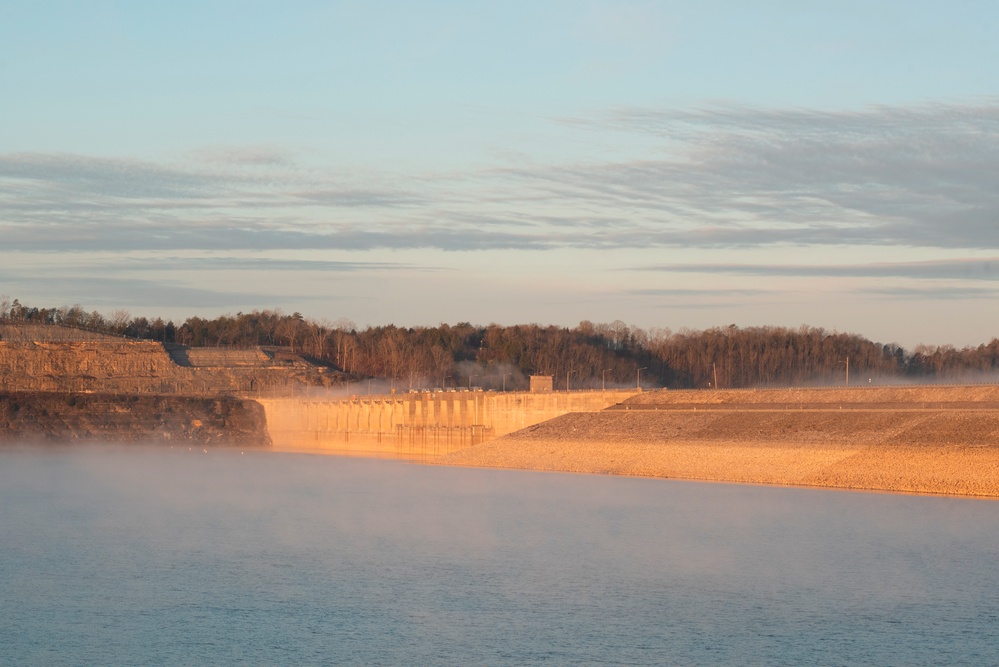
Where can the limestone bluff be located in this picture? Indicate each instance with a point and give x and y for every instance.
(61, 359)
(64, 384)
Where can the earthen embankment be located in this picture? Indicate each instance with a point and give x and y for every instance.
(907, 439)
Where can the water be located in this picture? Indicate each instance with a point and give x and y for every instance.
(160, 556)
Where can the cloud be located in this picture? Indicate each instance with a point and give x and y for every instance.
(262, 264)
(953, 269)
(719, 177)
(104, 292)
(697, 293)
(176, 237)
(58, 178)
(124, 282)
(245, 156)
(921, 176)
(947, 293)
(734, 176)
(358, 198)
(697, 299)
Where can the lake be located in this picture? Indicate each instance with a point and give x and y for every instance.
(149, 555)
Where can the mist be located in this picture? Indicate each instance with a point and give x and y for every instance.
(126, 554)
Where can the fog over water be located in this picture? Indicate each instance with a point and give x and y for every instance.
(113, 555)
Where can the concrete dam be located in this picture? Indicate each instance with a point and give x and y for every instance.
(417, 426)
(59, 383)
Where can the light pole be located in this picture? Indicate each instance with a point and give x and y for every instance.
(847, 362)
(603, 380)
(470, 381)
(505, 376)
(567, 373)
(638, 382)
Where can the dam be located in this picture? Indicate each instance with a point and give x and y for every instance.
(417, 426)
(61, 383)
(908, 439)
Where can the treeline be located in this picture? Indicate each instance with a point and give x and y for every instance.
(584, 357)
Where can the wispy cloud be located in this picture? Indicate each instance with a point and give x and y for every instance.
(696, 293)
(102, 292)
(57, 178)
(721, 177)
(262, 264)
(899, 176)
(245, 156)
(932, 292)
(696, 299)
(956, 269)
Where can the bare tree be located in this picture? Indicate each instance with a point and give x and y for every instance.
(118, 320)
(443, 361)
(343, 340)
(319, 333)
(291, 330)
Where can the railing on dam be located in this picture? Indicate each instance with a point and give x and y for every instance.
(417, 426)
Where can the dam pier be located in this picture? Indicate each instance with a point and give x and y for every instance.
(417, 426)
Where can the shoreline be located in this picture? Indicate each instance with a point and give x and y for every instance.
(936, 441)
(751, 463)
(697, 480)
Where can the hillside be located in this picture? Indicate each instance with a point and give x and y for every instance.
(51, 417)
(36, 358)
(911, 439)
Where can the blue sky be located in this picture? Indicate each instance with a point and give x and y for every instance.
(669, 164)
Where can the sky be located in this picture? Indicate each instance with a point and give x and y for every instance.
(668, 164)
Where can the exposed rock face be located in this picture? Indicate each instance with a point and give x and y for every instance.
(122, 366)
(64, 384)
(53, 417)
(24, 332)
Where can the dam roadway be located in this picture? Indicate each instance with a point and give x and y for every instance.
(417, 426)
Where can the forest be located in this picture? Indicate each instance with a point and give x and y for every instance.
(588, 356)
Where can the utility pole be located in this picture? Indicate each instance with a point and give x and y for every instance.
(714, 372)
(505, 376)
(603, 380)
(847, 362)
(638, 382)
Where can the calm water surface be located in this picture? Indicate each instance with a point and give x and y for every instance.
(160, 556)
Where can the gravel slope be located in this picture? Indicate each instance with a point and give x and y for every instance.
(927, 440)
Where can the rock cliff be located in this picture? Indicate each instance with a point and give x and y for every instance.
(116, 365)
(28, 417)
